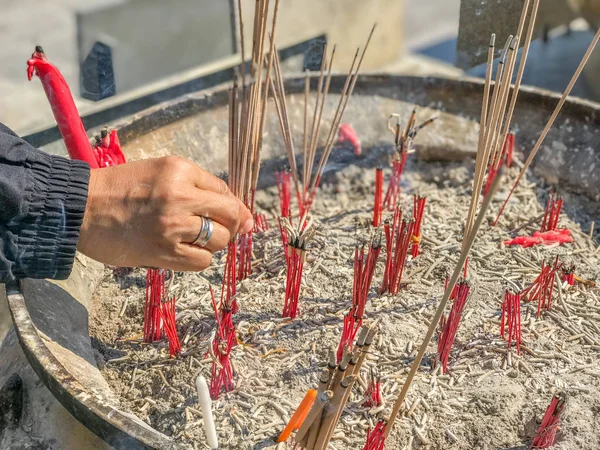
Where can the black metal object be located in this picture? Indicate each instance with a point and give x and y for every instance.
(11, 403)
(97, 74)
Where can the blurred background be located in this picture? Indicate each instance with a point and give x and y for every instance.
(121, 56)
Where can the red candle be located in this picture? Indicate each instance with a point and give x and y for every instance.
(63, 107)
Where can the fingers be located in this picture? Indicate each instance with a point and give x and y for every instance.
(223, 209)
(188, 170)
(191, 259)
(218, 241)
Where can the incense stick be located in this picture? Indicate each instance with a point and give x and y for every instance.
(311, 178)
(522, 63)
(550, 122)
(440, 310)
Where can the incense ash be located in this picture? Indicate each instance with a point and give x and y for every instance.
(490, 395)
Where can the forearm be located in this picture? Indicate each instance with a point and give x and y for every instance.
(42, 200)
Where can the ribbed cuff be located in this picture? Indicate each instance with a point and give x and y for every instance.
(50, 230)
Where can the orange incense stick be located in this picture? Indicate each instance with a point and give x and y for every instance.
(299, 416)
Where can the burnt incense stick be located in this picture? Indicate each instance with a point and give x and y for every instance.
(440, 310)
(550, 122)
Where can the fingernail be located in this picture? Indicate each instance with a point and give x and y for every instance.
(247, 227)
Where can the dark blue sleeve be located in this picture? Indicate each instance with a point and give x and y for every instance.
(42, 202)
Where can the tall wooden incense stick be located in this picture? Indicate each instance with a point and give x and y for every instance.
(440, 310)
(307, 184)
(521, 70)
(553, 117)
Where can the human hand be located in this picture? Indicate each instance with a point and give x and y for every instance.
(147, 213)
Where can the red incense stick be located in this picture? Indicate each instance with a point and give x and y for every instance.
(159, 312)
(450, 326)
(392, 195)
(364, 269)
(168, 315)
(546, 434)
(220, 348)
(511, 319)
(260, 223)
(505, 158)
(398, 236)
(284, 182)
(373, 397)
(63, 107)
(295, 256)
(542, 288)
(376, 437)
(418, 210)
(551, 215)
(155, 292)
(378, 203)
(568, 274)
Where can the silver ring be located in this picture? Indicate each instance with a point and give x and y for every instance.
(205, 233)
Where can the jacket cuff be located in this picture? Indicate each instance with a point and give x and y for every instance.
(55, 208)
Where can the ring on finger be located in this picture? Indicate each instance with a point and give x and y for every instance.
(206, 231)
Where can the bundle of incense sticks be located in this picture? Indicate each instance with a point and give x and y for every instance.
(260, 223)
(159, 311)
(552, 213)
(283, 180)
(219, 349)
(418, 210)
(378, 203)
(450, 327)
(295, 256)
(364, 268)
(505, 158)
(373, 397)
(247, 113)
(335, 386)
(546, 434)
(511, 319)
(568, 274)
(168, 312)
(155, 292)
(398, 236)
(306, 187)
(542, 288)
(555, 113)
(403, 140)
(376, 437)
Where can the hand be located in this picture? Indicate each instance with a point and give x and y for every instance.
(147, 214)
